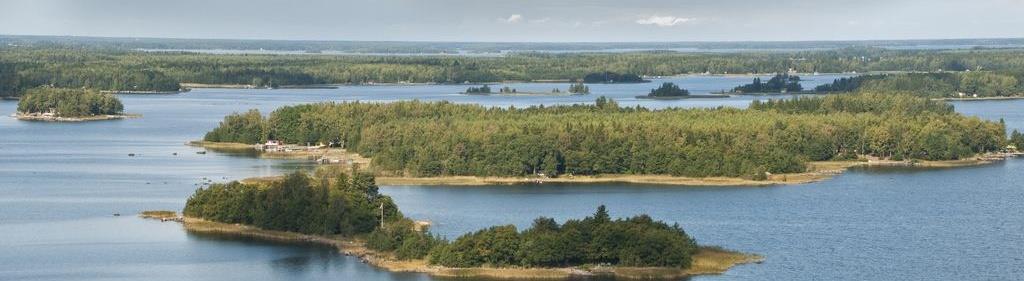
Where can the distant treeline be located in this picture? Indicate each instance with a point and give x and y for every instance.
(603, 138)
(69, 102)
(933, 85)
(116, 69)
(324, 205)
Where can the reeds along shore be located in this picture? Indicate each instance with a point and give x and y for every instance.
(708, 260)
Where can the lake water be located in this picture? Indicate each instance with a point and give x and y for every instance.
(60, 183)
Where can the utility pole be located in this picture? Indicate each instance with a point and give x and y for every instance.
(382, 215)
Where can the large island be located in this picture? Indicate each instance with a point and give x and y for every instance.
(786, 141)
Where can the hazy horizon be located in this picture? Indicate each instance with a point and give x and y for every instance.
(517, 21)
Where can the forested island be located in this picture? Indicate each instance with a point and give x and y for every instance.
(51, 104)
(972, 84)
(606, 140)
(112, 69)
(780, 83)
(346, 210)
(670, 90)
(485, 90)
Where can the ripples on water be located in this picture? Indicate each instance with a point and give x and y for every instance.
(60, 183)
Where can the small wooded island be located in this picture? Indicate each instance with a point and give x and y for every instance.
(780, 83)
(670, 90)
(69, 105)
(345, 210)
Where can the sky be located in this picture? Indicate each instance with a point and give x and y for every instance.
(518, 20)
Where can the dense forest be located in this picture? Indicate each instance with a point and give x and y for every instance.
(612, 77)
(344, 204)
(780, 83)
(933, 85)
(638, 241)
(69, 102)
(604, 138)
(115, 69)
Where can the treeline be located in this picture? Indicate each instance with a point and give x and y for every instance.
(612, 77)
(69, 102)
(347, 205)
(112, 69)
(933, 85)
(777, 84)
(607, 139)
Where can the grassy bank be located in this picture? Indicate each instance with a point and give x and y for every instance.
(709, 260)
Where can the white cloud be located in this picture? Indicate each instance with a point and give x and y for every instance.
(663, 20)
(513, 18)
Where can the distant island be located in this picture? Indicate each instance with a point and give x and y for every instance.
(780, 83)
(485, 90)
(612, 77)
(69, 105)
(670, 91)
(346, 210)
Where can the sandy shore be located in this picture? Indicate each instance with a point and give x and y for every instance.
(50, 118)
(817, 171)
(709, 260)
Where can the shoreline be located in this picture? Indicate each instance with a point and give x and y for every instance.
(51, 118)
(980, 99)
(817, 171)
(707, 261)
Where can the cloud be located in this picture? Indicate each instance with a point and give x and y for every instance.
(663, 20)
(513, 18)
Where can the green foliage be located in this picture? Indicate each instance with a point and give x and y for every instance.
(780, 83)
(248, 127)
(668, 89)
(773, 136)
(612, 77)
(579, 88)
(349, 205)
(403, 240)
(636, 241)
(934, 85)
(116, 69)
(9, 82)
(1017, 140)
(69, 102)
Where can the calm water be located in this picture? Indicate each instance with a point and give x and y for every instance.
(60, 183)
